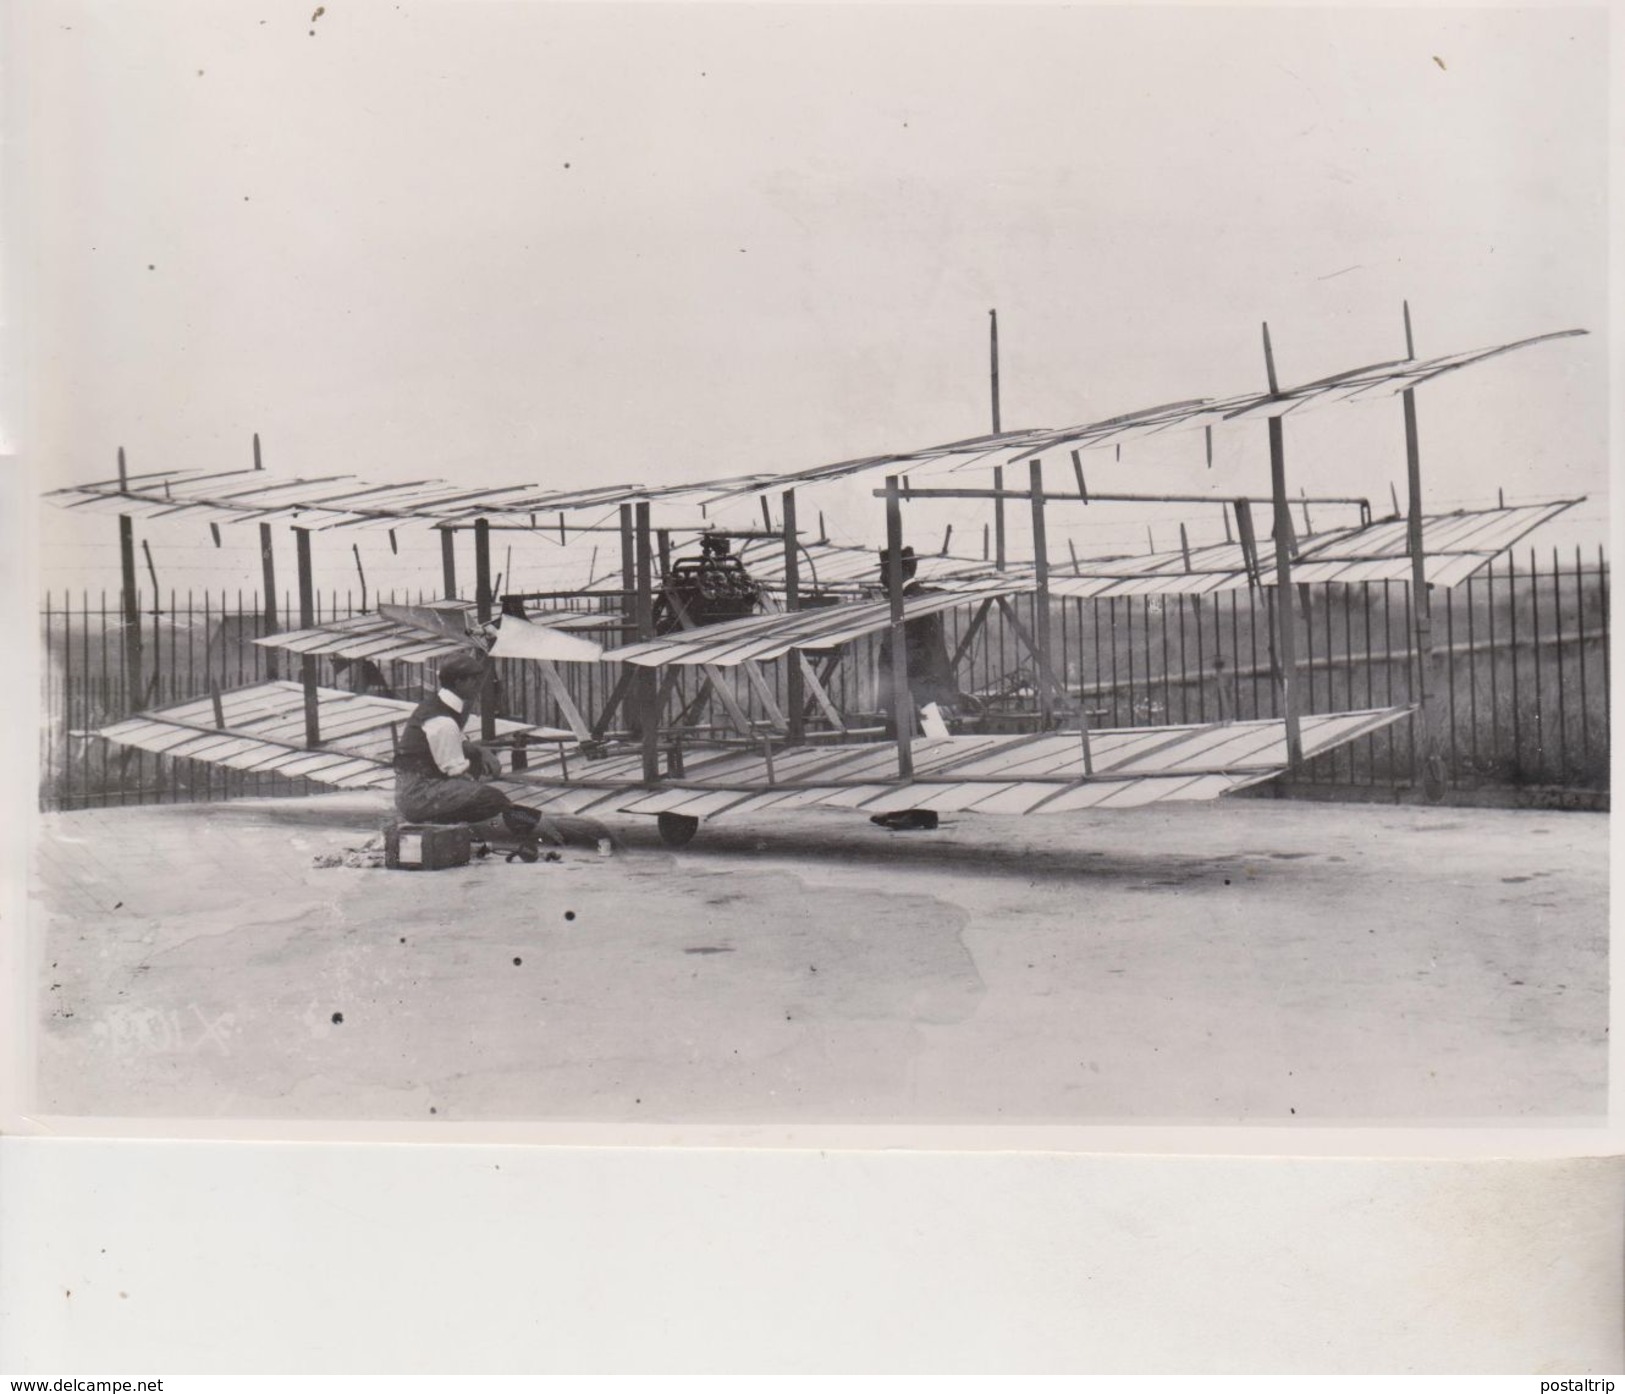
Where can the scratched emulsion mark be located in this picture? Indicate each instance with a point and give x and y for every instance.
(1436, 57)
(320, 11)
(130, 1028)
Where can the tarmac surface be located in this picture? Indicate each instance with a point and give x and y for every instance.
(1254, 961)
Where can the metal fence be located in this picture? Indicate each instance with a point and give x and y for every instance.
(1518, 686)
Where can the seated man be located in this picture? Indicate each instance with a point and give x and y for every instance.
(438, 773)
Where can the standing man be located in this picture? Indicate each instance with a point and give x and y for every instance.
(931, 677)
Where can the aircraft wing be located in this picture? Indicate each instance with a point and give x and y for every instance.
(343, 501)
(1370, 380)
(1003, 774)
(379, 638)
(426, 634)
(522, 638)
(263, 731)
(823, 565)
(759, 638)
(1455, 546)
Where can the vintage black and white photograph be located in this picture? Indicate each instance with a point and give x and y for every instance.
(706, 564)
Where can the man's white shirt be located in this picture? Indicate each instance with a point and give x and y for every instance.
(446, 738)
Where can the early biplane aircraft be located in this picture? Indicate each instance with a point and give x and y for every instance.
(682, 638)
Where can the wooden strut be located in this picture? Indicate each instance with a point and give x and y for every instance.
(993, 355)
(132, 608)
(1421, 600)
(999, 496)
(611, 703)
(1117, 774)
(629, 564)
(555, 683)
(1286, 626)
(692, 705)
(268, 579)
(669, 684)
(1047, 681)
(648, 678)
(1249, 543)
(483, 606)
(794, 688)
(902, 698)
(971, 631)
(720, 685)
(307, 620)
(998, 470)
(998, 492)
(1046, 700)
(820, 696)
(448, 562)
(579, 528)
(625, 683)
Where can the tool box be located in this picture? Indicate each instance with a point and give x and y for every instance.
(427, 846)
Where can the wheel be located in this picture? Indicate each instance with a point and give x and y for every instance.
(677, 829)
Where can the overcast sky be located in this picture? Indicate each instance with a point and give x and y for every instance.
(594, 243)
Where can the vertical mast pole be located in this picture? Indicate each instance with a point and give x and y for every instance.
(307, 620)
(629, 565)
(1421, 601)
(448, 561)
(998, 470)
(993, 348)
(131, 602)
(267, 577)
(1041, 665)
(794, 688)
(1285, 623)
(268, 580)
(648, 679)
(482, 612)
(902, 699)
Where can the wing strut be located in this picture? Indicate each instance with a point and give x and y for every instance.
(1286, 627)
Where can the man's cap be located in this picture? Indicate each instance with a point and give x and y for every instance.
(907, 554)
(461, 668)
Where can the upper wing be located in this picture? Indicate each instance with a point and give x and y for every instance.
(763, 637)
(1455, 546)
(335, 501)
(427, 633)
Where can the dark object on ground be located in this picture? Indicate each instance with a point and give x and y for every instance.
(907, 820)
(677, 829)
(427, 847)
(486, 849)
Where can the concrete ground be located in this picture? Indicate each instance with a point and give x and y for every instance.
(1259, 961)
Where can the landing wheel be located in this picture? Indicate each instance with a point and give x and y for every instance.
(677, 829)
(1433, 781)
